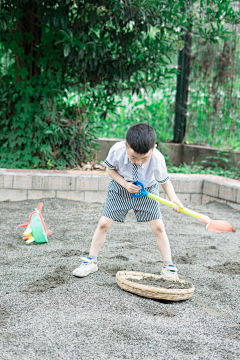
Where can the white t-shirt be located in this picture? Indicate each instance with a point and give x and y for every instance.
(148, 173)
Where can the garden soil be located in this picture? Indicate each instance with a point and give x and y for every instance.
(47, 313)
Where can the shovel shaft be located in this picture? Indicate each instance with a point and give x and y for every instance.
(171, 204)
(215, 225)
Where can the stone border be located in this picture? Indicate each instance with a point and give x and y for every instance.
(18, 184)
(177, 153)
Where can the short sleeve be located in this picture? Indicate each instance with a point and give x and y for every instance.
(161, 173)
(111, 161)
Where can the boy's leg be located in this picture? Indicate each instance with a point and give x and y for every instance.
(100, 235)
(90, 264)
(158, 228)
(161, 238)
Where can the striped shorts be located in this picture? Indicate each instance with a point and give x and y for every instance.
(119, 201)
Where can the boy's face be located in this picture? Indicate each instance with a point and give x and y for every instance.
(136, 158)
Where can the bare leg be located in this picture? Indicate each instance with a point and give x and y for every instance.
(100, 235)
(161, 239)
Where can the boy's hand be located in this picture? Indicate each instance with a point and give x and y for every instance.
(178, 202)
(132, 188)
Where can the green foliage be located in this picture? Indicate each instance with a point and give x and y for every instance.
(36, 137)
(96, 49)
(198, 169)
(219, 164)
(214, 94)
(213, 99)
(156, 108)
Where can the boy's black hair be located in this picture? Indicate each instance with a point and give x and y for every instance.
(141, 138)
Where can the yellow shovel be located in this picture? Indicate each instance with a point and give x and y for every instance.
(214, 225)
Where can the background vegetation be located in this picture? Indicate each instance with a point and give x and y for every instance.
(72, 71)
(213, 99)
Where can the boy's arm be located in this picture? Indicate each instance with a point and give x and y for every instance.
(169, 190)
(120, 180)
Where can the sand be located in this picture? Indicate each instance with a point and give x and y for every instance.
(162, 283)
(46, 313)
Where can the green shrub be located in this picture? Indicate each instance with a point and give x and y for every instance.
(208, 165)
(43, 131)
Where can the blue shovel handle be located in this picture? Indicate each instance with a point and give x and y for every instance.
(142, 191)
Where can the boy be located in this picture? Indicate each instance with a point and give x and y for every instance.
(127, 161)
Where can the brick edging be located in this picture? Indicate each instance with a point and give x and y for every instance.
(91, 186)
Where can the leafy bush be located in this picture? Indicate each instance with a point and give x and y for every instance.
(198, 169)
(43, 131)
(50, 49)
(155, 108)
(96, 48)
(218, 164)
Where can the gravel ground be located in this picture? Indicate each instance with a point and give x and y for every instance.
(46, 313)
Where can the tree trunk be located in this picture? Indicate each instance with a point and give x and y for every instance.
(27, 24)
(184, 59)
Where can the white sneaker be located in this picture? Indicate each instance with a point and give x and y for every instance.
(169, 271)
(86, 268)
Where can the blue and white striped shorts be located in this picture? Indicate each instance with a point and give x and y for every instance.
(119, 201)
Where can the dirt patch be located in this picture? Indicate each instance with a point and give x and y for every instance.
(185, 259)
(140, 323)
(11, 246)
(105, 284)
(120, 257)
(74, 253)
(165, 313)
(4, 315)
(123, 333)
(111, 271)
(49, 281)
(150, 262)
(234, 332)
(230, 268)
(162, 283)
